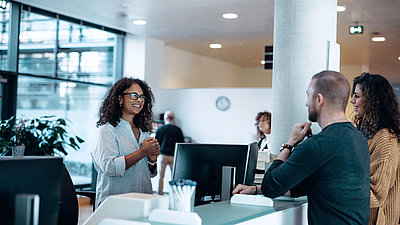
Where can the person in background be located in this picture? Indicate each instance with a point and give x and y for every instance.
(331, 168)
(125, 155)
(263, 124)
(168, 135)
(377, 116)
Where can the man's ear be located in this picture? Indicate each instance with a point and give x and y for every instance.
(320, 100)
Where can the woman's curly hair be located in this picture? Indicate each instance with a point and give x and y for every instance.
(381, 109)
(111, 111)
(265, 114)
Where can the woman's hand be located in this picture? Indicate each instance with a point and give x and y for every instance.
(244, 189)
(153, 158)
(150, 147)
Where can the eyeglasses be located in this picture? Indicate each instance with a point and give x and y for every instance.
(135, 96)
(262, 120)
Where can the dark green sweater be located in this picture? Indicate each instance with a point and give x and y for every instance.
(332, 169)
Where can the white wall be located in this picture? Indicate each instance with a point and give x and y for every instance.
(183, 69)
(196, 113)
(134, 56)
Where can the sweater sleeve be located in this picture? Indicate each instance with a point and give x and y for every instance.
(382, 167)
(282, 176)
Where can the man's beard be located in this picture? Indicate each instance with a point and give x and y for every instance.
(313, 114)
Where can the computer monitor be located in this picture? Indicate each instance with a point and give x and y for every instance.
(30, 175)
(203, 163)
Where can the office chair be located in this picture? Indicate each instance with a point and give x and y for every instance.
(68, 210)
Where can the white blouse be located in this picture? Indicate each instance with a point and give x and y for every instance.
(108, 158)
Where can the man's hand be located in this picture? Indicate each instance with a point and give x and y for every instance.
(245, 189)
(299, 131)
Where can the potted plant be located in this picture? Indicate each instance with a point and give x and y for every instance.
(45, 135)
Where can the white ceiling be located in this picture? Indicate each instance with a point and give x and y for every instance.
(192, 25)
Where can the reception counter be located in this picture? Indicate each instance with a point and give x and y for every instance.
(283, 212)
(153, 209)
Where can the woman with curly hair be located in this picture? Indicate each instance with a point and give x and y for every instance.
(125, 155)
(377, 116)
(263, 125)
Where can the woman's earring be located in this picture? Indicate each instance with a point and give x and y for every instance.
(120, 105)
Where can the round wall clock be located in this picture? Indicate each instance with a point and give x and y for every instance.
(222, 103)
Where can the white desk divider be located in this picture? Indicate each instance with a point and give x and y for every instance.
(174, 217)
(130, 206)
(258, 200)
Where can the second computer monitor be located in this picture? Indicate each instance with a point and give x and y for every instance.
(203, 163)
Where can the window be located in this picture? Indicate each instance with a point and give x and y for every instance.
(78, 103)
(50, 46)
(65, 67)
(4, 26)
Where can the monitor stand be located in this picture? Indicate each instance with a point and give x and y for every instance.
(228, 182)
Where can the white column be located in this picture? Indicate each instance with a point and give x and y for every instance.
(154, 68)
(134, 56)
(144, 59)
(302, 31)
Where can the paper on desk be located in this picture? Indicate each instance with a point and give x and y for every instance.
(258, 200)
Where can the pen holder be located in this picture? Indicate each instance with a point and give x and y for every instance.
(182, 195)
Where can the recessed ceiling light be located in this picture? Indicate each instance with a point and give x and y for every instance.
(215, 45)
(340, 8)
(262, 62)
(398, 58)
(139, 22)
(378, 39)
(230, 16)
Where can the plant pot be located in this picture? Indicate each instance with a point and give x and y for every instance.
(18, 151)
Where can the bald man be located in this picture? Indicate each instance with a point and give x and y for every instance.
(167, 135)
(330, 168)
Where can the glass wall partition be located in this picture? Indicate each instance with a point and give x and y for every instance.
(76, 102)
(50, 46)
(65, 67)
(4, 28)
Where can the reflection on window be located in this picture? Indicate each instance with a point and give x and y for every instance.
(83, 53)
(42, 63)
(72, 101)
(59, 50)
(4, 28)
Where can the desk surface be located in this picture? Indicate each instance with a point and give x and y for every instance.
(227, 213)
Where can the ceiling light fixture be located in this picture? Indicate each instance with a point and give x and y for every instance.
(230, 16)
(378, 39)
(215, 45)
(262, 62)
(139, 22)
(340, 8)
(398, 58)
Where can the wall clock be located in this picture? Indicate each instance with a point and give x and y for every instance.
(222, 103)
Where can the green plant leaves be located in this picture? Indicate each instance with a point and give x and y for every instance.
(46, 135)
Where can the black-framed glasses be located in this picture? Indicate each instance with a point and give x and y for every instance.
(135, 96)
